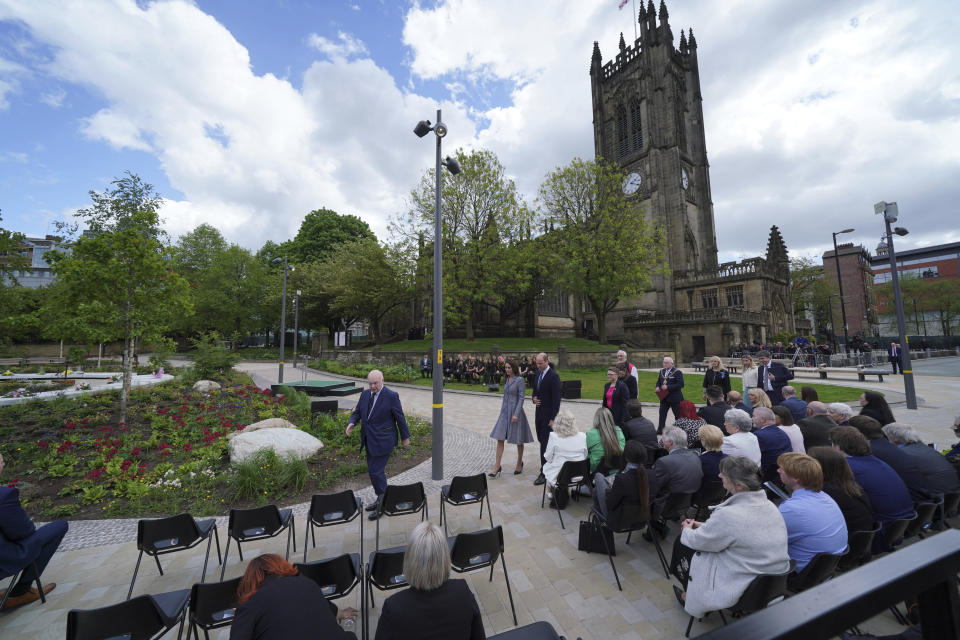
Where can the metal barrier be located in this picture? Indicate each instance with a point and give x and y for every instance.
(927, 570)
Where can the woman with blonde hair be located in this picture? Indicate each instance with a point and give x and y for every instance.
(717, 375)
(605, 442)
(565, 443)
(749, 377)
(434, 607)
(759, 398)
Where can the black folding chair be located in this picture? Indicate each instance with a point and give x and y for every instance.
(820, 569)
(761, 591)
(673, 507)
(892, 533)
(160, 536)
(401, 500)
(950, 506)
(858, 549)
(327, 510)
(337, 577)
(925, 513)
(145, 617)
(632, 518)
(464, 490)
(259, 523)
(534, 631)
(709, 495)
(16, 577)
(573, 474)
(212, 606)
(385, 572)
(480, 549)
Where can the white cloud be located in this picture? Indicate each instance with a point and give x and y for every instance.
(54, 99)
(346, 46)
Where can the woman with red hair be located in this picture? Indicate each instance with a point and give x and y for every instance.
(275, 603)
(690, 422)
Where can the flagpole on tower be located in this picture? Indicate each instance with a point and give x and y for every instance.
(633, 3)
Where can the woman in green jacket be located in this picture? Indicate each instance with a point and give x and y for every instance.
(605, 443)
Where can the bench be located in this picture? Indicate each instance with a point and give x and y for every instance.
(703, 366)
(863, 373)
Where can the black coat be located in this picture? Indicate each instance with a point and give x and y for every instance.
(618, 402)
(548, 391)
(816, 431)
(449, 612)
(713, 414)
(719, 378)
(857, 512)
(641, 429)
(624, 491)
(286, 608)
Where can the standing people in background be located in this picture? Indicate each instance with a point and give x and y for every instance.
(716, 375)
(632, 391)
(772, 376)
(875, 405)
(512, 425)
(546, 398)
(380, 416)
(426, 367)
(605, 443)
(749, 378)
(615, 395)
(631, 371)
(669, 384)
(894, 355)
(796, 406)
(274, 602)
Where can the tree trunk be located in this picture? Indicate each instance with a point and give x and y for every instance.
(601, 323)
(127, 367)
(470, 328)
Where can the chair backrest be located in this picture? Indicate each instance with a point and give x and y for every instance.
(925, 512)
(573, 471)
(762, 590)
(475, 550)
(534, 631)
(166, 534)
(820, 567)
(858, 545)
(633, 516)
(336, 576)
(386, 570)
(951, 502)
(137, 618)
(710, 493)
(333, 508)
(675, 504)
(251, 523)
(468, 488)
(399, 499)
(213, 604)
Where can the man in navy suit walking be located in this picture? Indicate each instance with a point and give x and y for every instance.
(380, 417)
(546, 397)
(894, 355)
(772, 377)
(670, 381)
(21, 544)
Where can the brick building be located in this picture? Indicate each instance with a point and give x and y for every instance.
(857, 278)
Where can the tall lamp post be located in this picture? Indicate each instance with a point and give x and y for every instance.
(296, 325)
(283, 314)
(843, 308)
(890, 213)
(423, 128)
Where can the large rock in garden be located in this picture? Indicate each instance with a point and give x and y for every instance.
(283, 437)
(206, 386)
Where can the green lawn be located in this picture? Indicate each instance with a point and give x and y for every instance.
(484, 345)
(592, 381)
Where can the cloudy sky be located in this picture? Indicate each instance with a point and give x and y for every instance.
(247, 115)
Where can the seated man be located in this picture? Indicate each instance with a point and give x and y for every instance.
(840, 412)
(772, 440)
(797, 406)
(716, 407)
(736, 401)
(638, 427)
(21, 544)
(814, 522)
(677, 472)
(906, 467)
(816, 426)
(938, 474)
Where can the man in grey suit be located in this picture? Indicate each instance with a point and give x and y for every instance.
(677, 472)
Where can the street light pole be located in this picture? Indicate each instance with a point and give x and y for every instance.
(283, 317)
(890, 213)
(296, 325)
(843, 309)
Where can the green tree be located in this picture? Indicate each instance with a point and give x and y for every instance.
(604, 250)
(20, 319)
(11, 243)
(483, 217)
(116, 282)
(321, 231)
(230, 292)
(939, 296)
(813, 293)
(196, 251)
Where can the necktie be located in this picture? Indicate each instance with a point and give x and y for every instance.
(373, 398)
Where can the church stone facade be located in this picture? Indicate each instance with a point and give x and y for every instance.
(648, 116)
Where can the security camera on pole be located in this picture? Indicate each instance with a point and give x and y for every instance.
(423, 128)
(890, 212)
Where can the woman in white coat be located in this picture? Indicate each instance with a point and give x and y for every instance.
(565, 443)
(749, 377)
(744, 537)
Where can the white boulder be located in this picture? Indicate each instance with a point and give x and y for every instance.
(283, 437)
(206, 386)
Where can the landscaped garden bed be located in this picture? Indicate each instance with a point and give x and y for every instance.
(73, 458)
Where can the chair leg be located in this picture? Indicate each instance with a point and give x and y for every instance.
(289, 531)
(378, 544)
(206, 558)
(443, 510)
(506, 578)
(489, 510)
(157, 559)
(689, 626)
(13, 581)
(183, 619)
(543, 496)
(306, 537)
(240, 550)
(293, 530)
(556, 492)
(216, 536)
(190, 627)
(129, 593)
(361, 538)
(610, 557)
(223, 567)
(722, 617)
(663, 560)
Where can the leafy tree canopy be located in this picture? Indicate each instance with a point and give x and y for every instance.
(321, 231)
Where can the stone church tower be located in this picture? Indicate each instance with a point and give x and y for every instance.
(648, 116)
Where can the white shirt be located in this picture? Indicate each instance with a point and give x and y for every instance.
(742, 443)
(796, 438)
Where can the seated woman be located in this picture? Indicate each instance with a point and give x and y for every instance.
(690, 422)
(711, 438)
(873, 404)
(744, 537)
(759, 398)
(449, 369)
(565, 443)
(740, 442)
(434, 607)
(839, 484)
(785, 422)
(275, 603)
(605, 443)
(631, 486)
(461, 369)
(479, 371)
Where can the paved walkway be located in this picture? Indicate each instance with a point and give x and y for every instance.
(551, 580)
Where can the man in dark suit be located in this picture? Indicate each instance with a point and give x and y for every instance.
(21, 544)
(546, 397)
(716, 408)
(796, 406)
(893, 355)
(736, 401)
(772, 377)
(670, 380)
(380, 416)
(426, 367)
(639, 428)
(679, 471)
(772, 439)
(816, 426)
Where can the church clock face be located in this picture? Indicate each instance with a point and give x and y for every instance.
(631, 183)
(684, 179)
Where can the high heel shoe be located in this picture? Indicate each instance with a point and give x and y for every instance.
(517, 472)
(495, 473)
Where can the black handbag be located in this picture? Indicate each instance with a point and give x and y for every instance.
(592, 536)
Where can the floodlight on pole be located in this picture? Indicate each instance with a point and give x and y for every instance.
(890, 213)
(283, 315)
(843, 309)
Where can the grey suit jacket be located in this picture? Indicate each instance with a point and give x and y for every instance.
(678, 472)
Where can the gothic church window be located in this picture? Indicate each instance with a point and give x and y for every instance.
(554, 304)
(636, 130)
(681, 126)
(708, 298)
(621, 132)
(735, 296)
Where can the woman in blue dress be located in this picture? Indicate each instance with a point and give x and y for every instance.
(512, 425)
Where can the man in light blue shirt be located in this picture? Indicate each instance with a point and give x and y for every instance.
(814, 522)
